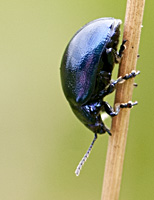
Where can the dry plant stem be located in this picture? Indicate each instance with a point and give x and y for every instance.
(117, 142)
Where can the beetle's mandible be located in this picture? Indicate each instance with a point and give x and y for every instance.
(86, 70)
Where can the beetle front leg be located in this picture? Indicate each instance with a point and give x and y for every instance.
(109, 110)
(130, 104)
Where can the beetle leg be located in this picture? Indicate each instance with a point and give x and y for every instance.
(109, 110)
(113, 84)
(130, 75)
(122, 48)
(119, 55)
(124, 78)
(130, 104)
(110, 88)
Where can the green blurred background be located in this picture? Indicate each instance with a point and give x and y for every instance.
(41, 141)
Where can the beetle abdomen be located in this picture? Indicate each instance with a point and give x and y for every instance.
(81, 59)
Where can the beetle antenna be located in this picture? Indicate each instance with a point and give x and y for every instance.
(81, 163)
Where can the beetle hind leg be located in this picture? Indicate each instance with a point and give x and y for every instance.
(121, 51)
(122, 48)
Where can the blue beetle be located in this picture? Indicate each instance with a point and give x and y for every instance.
(86, 70)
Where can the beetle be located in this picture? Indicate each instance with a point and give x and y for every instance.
(86, 71)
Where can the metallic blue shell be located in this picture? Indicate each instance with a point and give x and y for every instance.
(81, 57)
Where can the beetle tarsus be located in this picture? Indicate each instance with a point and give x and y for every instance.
(130, 104)
(122, 48)
(131, 75)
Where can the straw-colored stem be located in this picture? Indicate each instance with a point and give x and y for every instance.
(117, 142)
